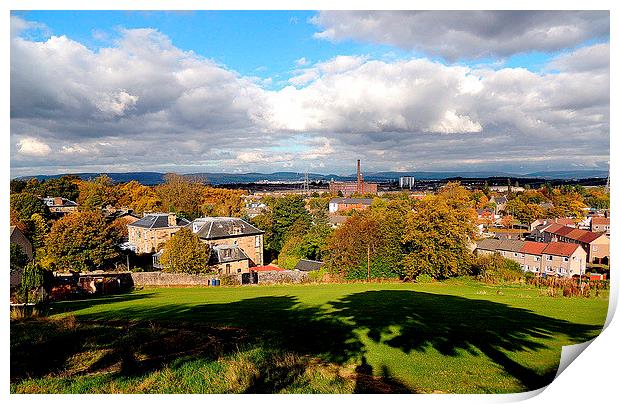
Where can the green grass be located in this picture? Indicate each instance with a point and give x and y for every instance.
(458, 336)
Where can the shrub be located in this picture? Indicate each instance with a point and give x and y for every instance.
(424, 278)
(229, 280)
(495, 268)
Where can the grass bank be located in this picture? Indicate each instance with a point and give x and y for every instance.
(458, 336)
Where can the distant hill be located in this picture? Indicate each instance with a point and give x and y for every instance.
(154, 178)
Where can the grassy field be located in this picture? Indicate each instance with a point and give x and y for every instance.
(456, 337)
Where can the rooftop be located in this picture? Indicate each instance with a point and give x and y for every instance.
(158, 221)
(213, 228)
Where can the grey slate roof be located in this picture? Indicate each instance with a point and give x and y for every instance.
(308, 265)
(361, 201)
(158, 221)
(491, 244)
(214, 228)
(500, 200)
(221, 254)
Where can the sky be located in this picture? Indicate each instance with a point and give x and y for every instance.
(268, 91)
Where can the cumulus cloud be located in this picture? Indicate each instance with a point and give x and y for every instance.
(466, 35)
(144, 104)
(33, 147)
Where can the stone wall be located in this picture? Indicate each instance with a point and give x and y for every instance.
(274, 277)
(166, 279)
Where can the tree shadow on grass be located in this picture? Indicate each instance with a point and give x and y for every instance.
(173, 334)
(450, 324)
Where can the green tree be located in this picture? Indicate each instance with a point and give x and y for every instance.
(32, 279)
(82, 241)
(287, 211)
(18, 256)
(185, 253)
(24, 205)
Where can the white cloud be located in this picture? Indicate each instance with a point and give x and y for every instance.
(301, 61)
(144, 104)
(30, 146)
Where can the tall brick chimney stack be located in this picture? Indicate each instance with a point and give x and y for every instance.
(359, 178)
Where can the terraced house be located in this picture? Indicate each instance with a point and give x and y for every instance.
(596, 245)
(551, 259)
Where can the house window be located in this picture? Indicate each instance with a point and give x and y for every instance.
(238, 270)
(516, 255)
(227, 269)
(550, 257)
(536, 259)
(257, 242)
(594, 248)
(565, 259)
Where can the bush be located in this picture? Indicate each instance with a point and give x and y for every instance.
(379, 269)
(317, 276)
(495, 268)
(229, 280)
(424, 278)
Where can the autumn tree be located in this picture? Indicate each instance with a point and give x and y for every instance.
(139, 198)
(438, 235)
(222, 202)
(97, 193)
(185, 253)
(82, 241)
(180, 194)
(371, 236)
(309, 243)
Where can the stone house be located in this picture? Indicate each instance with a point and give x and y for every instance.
(59, 205)
(146, 235)
(235, 244)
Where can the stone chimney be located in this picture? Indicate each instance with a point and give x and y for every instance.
(172, 219)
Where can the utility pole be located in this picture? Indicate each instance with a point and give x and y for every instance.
(368, 264)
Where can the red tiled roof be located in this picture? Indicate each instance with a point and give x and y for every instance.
(561, 249)
(600, 220)
(266, 268)
(552, 228)
(584, 236)
(532, 247)
(564, 231)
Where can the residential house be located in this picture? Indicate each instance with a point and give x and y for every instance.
(596, 245)
(59, 205)
(500, 203)
(565, 221)
(147, 234)
(345, 204)
(228, 259)
(599, 224)
(305, 265)
(551, 259)
(233, 240)
(19, 238)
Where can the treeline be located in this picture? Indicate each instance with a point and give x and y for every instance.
(86, 240)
